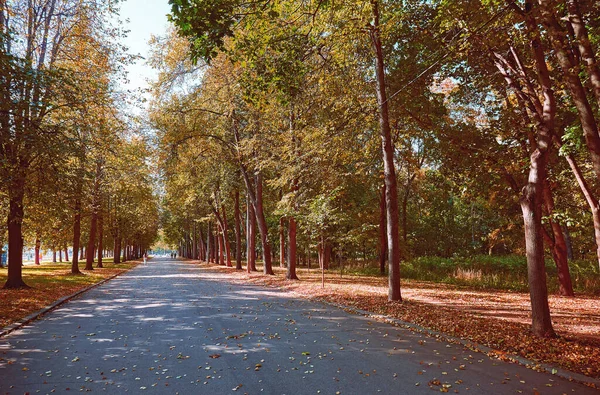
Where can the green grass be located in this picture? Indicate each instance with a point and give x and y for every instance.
(489, 272)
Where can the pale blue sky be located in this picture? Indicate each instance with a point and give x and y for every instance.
(146, 18)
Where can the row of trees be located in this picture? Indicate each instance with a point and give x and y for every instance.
(73, 171)
(384, 128)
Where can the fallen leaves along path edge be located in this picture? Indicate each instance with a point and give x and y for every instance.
(528, 363)
(38, 314)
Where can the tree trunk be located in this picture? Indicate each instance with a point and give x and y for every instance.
(281, 242)
(226, 238)
(250, 236)
(208, 237)
(262, 226)
(238, 233)
(391, 198)
(573, 83)
(536, 270)
(100, 238)
(66, 254)
(76, 237)
(37, 250)
(257, 201)
(585, 47)
(559, 246)
(567, 235)
(60, 255)
(382, 231)
(219, 243)
(117, 249)
(89, 259)
(292, 250)
(16, 192)
(53, 255)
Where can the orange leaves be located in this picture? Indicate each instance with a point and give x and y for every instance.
(499, 320)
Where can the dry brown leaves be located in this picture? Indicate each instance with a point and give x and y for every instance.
(48, 282)
(496, 319)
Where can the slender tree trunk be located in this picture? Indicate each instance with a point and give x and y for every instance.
(53, 255)
(567, 235)
(60, 255)
(208, 237)
(281, 242)
(226, 238)
(66, 254)
(37, 250)
(262, 226)
(585, 47)
(391, 198)
(238, 233)
(573, 83)
(257, 202)
(590, 199)
(76, 237)
(292, 250)
(250, 236)
(117, 249)
(559, 246)
(100, 238)
(382, 231)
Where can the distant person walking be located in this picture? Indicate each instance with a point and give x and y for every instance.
(145, 257)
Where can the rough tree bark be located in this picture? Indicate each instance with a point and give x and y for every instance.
(250, 236)
(389, 171)
(76, 236)
(16, 192)
(382, 244)
(238, 232)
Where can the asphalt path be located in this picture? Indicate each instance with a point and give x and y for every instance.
(172, 327)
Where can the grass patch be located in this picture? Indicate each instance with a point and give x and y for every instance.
(489, 272)
(49, 282)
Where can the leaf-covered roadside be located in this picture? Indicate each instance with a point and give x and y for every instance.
(48, 284)
(573, 350)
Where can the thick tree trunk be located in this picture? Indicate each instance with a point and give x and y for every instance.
(76, 237)
(100, 238)
(238, 233)
(536, 269)
(391, 198)
(16, 192)
(382, 231)
(250, 236)
(117, 249)
(53, 255)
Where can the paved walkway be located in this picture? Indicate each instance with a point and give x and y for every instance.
(170, 327)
